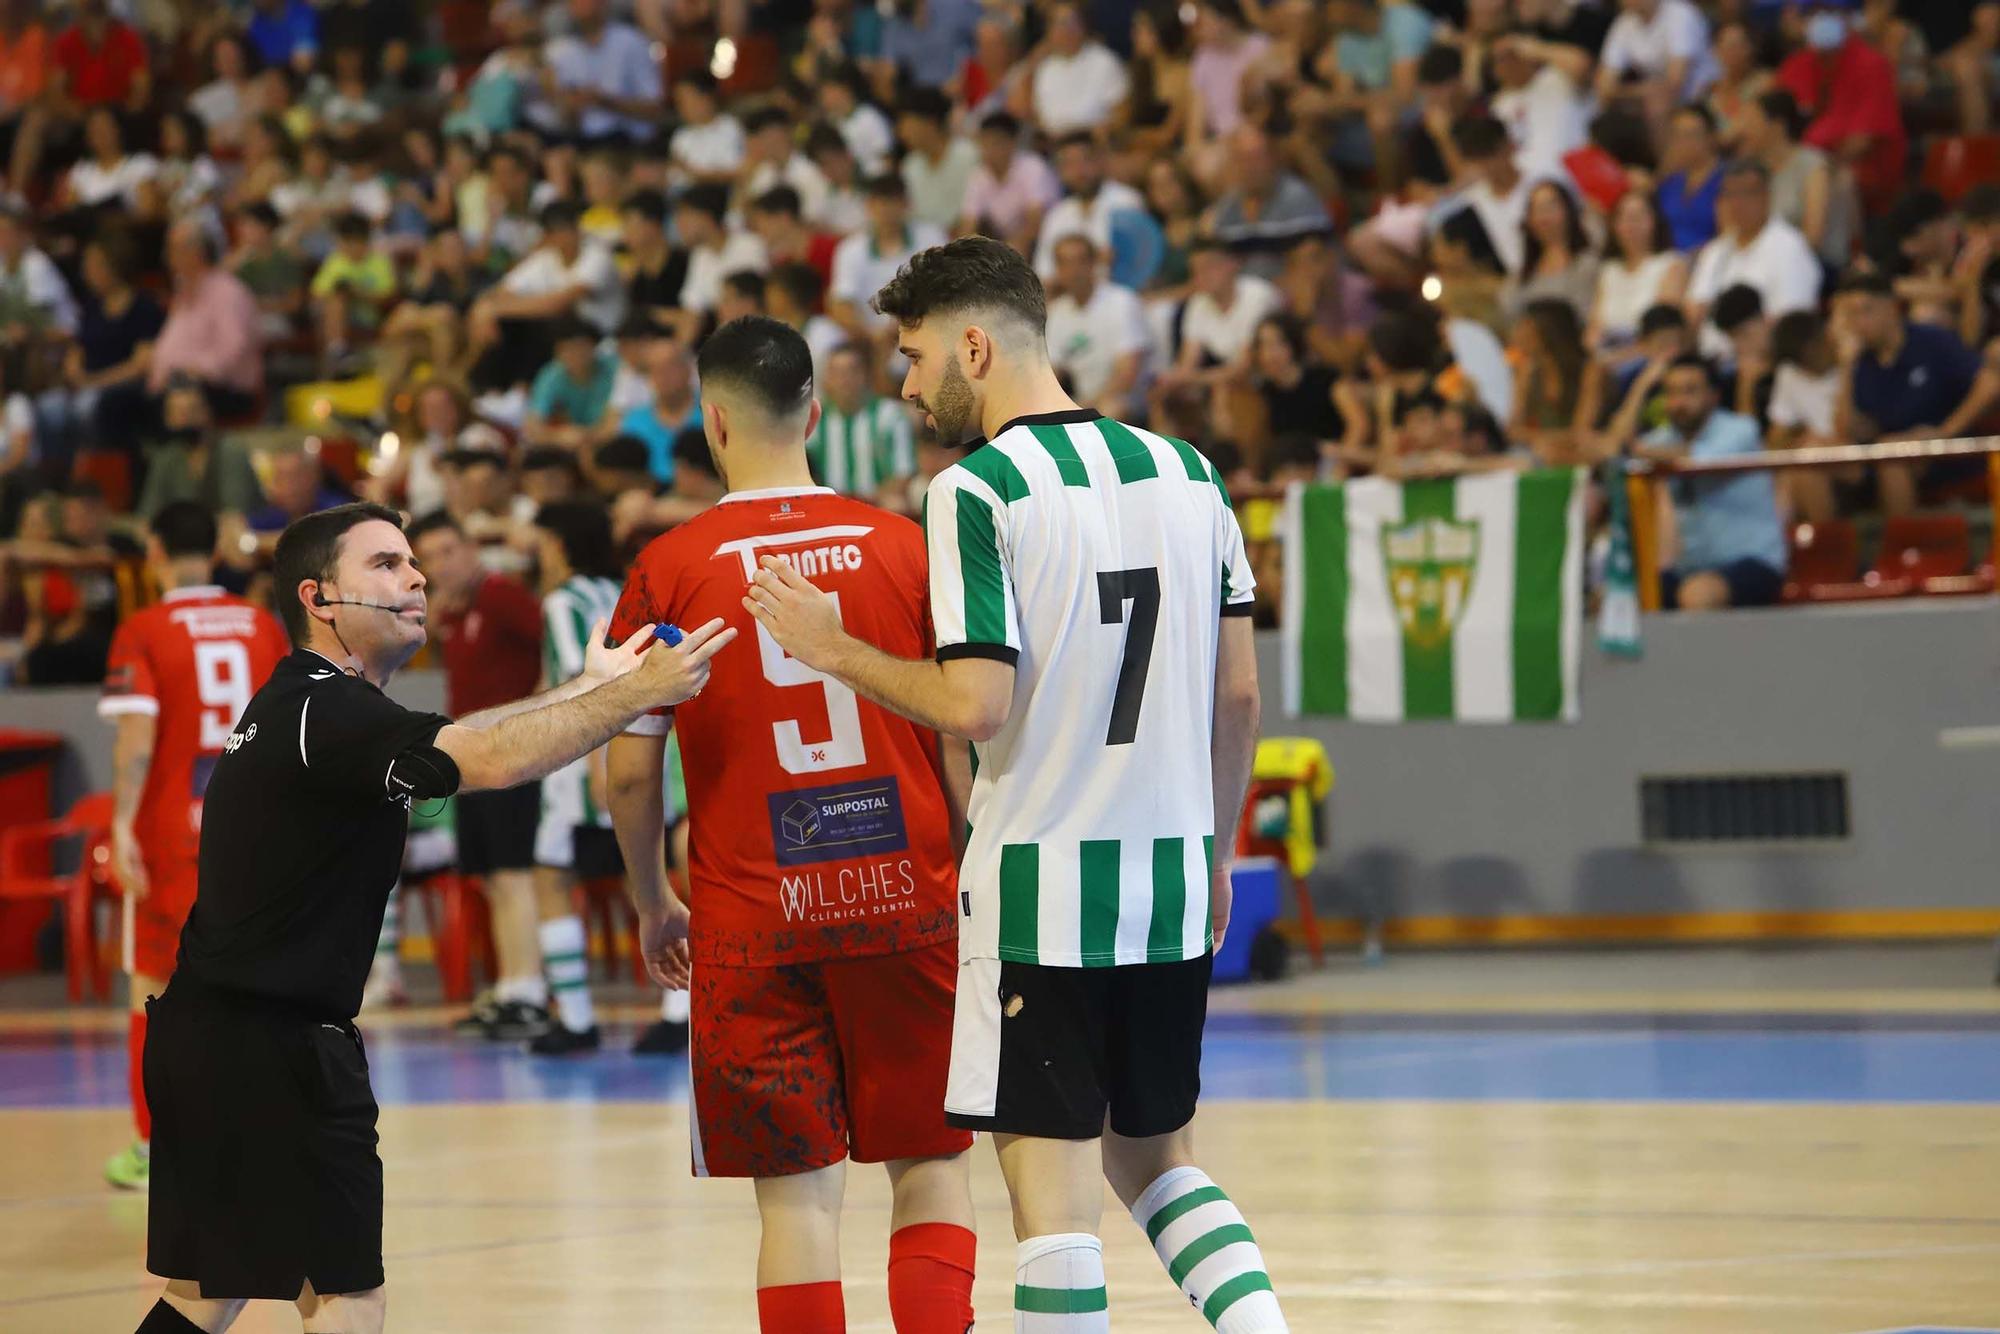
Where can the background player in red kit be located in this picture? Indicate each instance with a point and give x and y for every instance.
(178, 678)
(821, 867)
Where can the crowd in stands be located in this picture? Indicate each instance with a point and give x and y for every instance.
(456, 255)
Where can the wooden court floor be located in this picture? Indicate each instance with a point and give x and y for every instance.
(1455, 1213)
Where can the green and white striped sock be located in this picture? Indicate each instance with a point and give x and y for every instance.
(1059, 1285)
(565, 961)
(1201, 1238)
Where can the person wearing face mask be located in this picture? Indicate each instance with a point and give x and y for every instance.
(1848, 90)
(196, 463)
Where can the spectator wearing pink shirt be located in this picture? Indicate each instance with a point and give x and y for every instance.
(212, 333)
(1010, 189)
(1224, 50)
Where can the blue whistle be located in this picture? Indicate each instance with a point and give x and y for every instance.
(670, 633)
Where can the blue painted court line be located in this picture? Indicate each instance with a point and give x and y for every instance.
(1246, 1056)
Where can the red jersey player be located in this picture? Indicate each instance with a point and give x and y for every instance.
(179, 676)
(823, 934)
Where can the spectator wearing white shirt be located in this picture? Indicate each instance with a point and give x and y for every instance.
(1217, 326)
(866, 261)
(1088, 206)
(1755, 249)
(1542, 99)
(1078, 83)
(771, 158)
(1097, 331)
(1657, 54)
(1641, 269)
(1498, 194)
(510, 328)
(937, 165)
(34, 299)
(827, 149)
(107, 175)
(714, 252)
(224, 103)
(1805, 406)
(601, 83)
(707, 149)
(843, 99)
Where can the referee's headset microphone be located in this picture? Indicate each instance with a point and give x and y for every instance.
(421, 773)
(320, 599)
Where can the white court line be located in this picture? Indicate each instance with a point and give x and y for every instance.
(1969, 738)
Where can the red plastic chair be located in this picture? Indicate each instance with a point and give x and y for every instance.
(1918, 547)
(1249, 843)
(25, 874)
(1954, 164)
(1824, 555)
(111, 469)
(461, 931)
(1979, 581)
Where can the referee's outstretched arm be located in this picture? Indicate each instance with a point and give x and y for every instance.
(504, 747)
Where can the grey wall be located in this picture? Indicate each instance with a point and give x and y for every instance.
(1433, 819)
(1441, 819)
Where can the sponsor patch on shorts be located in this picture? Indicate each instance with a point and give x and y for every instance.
(823, 824)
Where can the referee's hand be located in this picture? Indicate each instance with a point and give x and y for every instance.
(607, 662)
(677, 674)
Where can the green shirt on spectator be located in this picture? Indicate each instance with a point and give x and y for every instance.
(555, 396)
(223, 481)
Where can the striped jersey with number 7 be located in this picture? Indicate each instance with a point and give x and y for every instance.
(1098, 558)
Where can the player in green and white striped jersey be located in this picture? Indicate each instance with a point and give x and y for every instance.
(574, 838)
(1090, 597)
(864, 444)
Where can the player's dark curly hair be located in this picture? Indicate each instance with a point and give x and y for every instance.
(973, 273)
(308, 549)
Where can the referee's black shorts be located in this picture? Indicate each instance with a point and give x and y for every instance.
(264, 1172)
(496, 829)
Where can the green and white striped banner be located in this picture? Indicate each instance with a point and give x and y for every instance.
(1458, 598)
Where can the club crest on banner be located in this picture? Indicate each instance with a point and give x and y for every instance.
(1431, 563)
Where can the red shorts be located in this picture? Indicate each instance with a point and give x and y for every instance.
(153, 924)
(798, 1066)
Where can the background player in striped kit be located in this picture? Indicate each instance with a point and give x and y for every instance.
(1090, 597)
(579, 580)
(865, 445)
(178, 677)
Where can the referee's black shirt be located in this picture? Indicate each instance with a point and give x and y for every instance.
(302, 840)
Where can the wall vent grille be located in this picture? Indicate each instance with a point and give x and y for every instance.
(1744, 808)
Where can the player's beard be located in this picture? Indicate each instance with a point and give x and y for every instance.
(953, 407)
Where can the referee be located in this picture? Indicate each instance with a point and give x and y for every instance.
(265, 1179)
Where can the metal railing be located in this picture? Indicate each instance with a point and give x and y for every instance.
(1644, 476)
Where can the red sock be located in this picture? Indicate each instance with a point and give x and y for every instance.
(802, 1308)
(930, 1278)
(135, 1070)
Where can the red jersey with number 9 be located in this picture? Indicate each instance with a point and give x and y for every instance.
(193, 662)
(817, 822)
